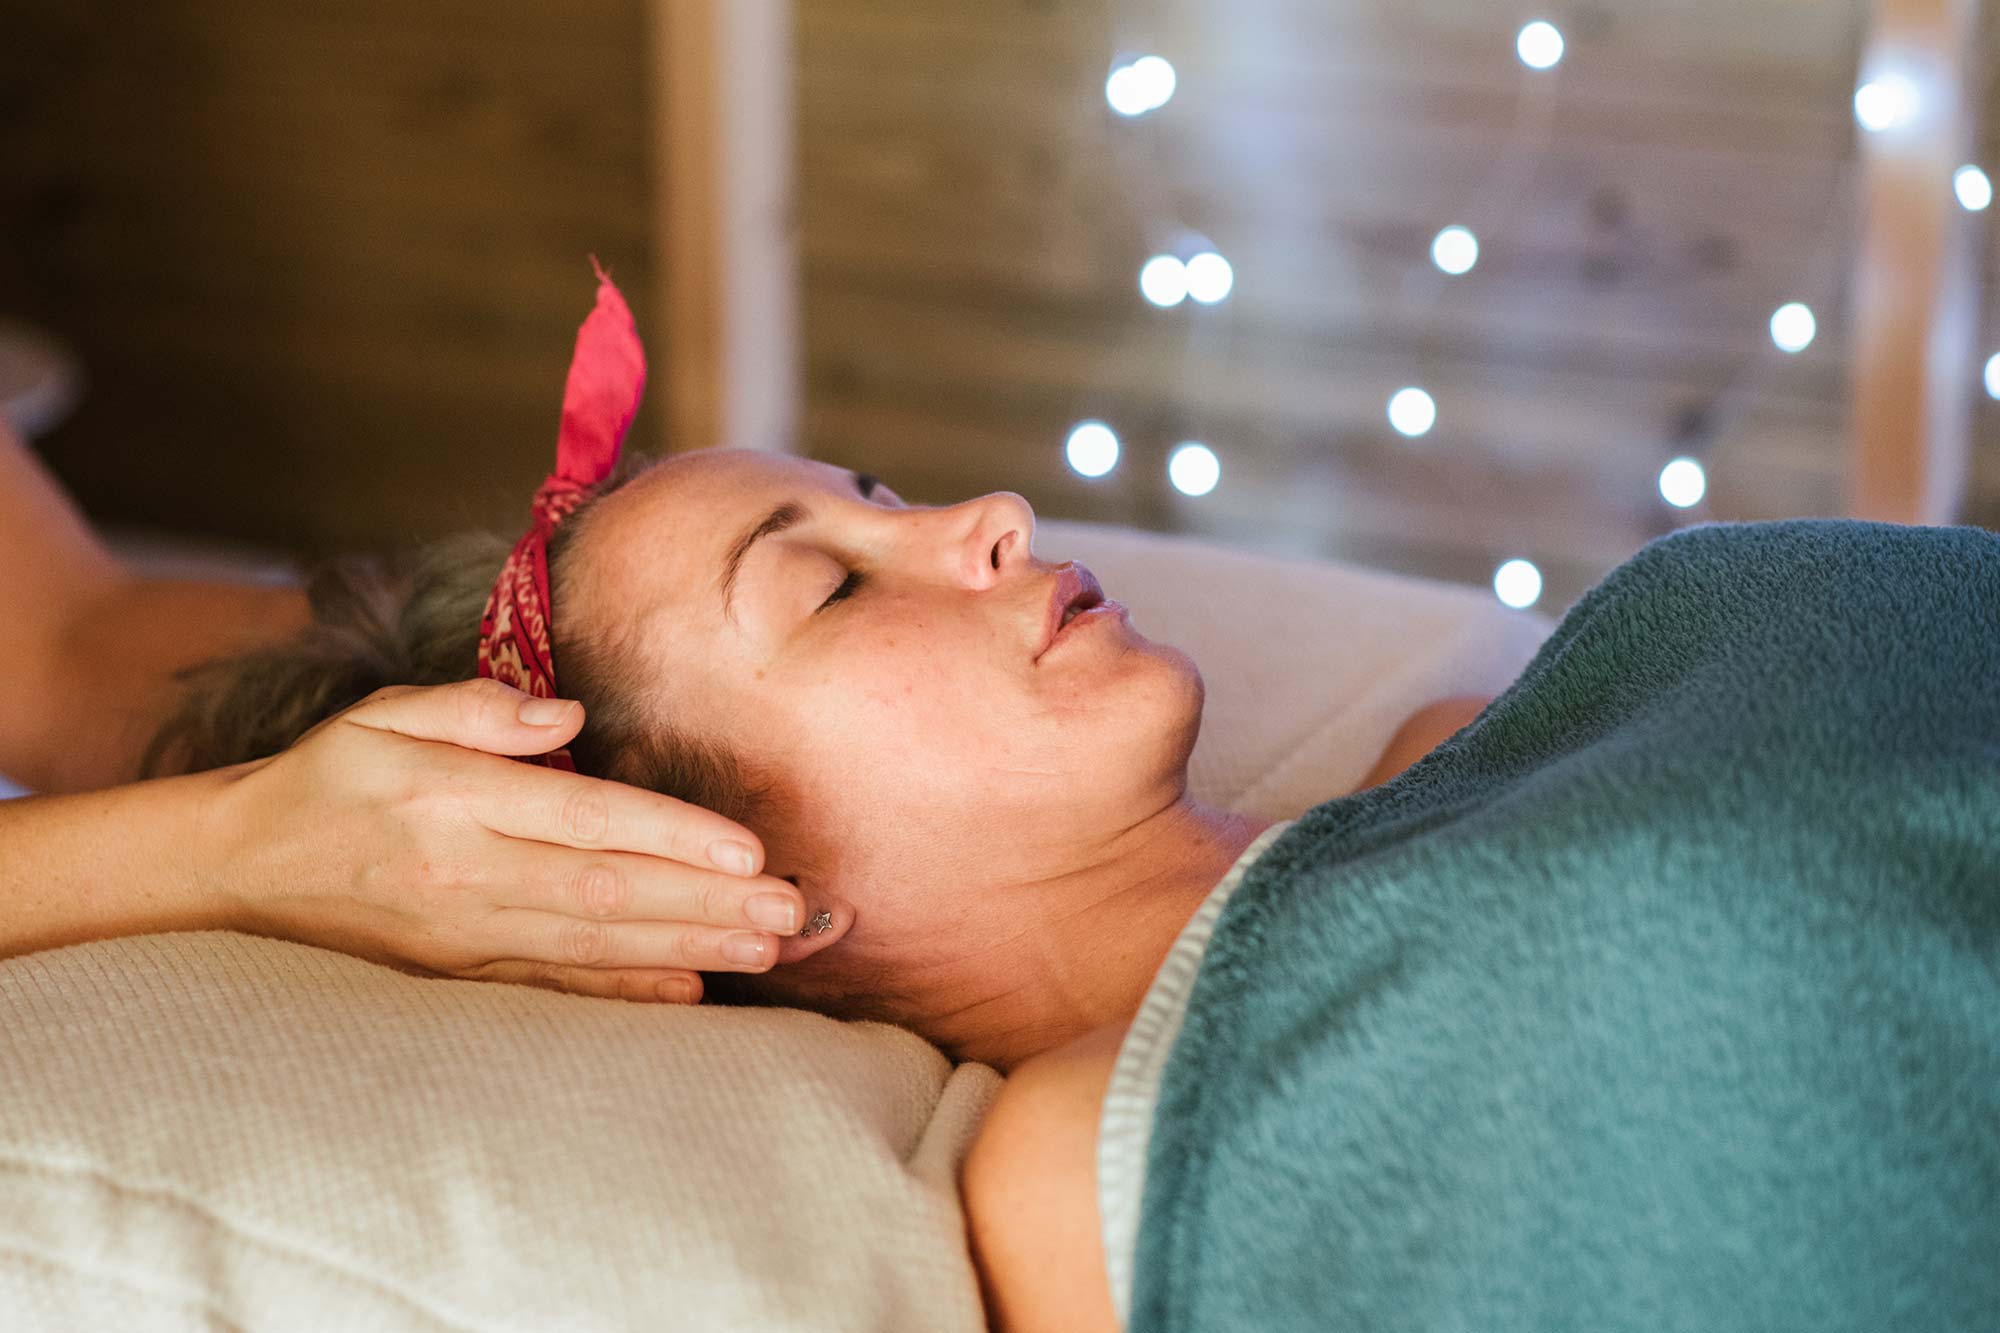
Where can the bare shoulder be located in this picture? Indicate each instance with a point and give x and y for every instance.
(1422, 732)
(1030, 1188)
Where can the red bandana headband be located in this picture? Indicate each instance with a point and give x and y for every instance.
(606, 377)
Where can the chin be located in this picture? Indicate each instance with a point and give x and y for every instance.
(1175, 695)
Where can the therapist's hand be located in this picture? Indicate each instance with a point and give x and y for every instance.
(397, 831)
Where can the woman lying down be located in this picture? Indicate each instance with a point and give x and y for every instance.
(1665, 994)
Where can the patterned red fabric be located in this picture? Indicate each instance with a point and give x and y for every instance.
(607, 375)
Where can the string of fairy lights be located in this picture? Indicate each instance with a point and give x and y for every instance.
(1888, 101)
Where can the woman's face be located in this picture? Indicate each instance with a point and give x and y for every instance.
(884, 663)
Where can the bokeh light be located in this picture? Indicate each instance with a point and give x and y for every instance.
(1209, 277)
(1973, 187)
(1518, 584)
(1793, 327)
(1683, 483)
(1887, 102)
(1540, 45)
(1455, 250)
(1194, 469)
(1164, 281)
(1412, 412)
(1147, 84)
(1092, 449)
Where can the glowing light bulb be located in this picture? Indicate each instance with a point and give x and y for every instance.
(1974, 189)
(1683, 483)
(1993, 376)
(1540, 45)
(1455, 250)
(1793, 327)
(1412, 412)
(1122, 91)
(1888, 102)
(1156, 79)
(1518, 584)
(1164, 281)
(1194, 469)
(1209, 277)
(1147, 84)
(1092, 449)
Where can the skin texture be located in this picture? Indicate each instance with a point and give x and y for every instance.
(1029, 892)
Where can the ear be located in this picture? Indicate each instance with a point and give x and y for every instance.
(828, 919)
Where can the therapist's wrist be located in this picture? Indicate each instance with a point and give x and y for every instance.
(218, 887)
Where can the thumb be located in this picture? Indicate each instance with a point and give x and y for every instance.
(479, 714)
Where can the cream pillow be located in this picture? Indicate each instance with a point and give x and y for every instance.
(206, 1129)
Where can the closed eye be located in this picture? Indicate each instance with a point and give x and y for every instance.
(866, 485)
(848, 587)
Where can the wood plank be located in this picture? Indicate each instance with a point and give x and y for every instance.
(1661, 245)
(685, 50)
(932, 352)
(325, 265)
(1916, 302)
(1535, 312)
(729, 265)
(1689, 33)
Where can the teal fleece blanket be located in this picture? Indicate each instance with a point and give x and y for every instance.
(1664, 995)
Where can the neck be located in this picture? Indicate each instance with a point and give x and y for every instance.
(1092, 940)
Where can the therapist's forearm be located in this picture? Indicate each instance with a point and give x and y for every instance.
(126, 861)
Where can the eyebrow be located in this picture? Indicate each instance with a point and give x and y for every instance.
(787, 515)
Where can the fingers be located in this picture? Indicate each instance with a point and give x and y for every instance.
(548, 937)
(626, 886)
(646, 985)
(479, 714)
(548, 806)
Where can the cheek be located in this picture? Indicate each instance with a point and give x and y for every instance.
(892, 714)
(911, 694)
(906, 709)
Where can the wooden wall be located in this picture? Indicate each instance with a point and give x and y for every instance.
(324, 263)
(974, 220)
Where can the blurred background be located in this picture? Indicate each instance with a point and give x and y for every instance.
(1489, 292)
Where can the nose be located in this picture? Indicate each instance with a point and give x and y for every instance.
(997, 536)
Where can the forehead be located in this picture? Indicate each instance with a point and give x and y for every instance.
(658, 543)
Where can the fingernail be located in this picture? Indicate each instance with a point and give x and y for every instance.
(545, 712)
(773, 911)
(731, 856)
(677, 990)
(750, 949)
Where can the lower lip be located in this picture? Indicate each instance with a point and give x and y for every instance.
(1103, 611)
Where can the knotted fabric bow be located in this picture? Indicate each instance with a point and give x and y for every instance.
(607, 375)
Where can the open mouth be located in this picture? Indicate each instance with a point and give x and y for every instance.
(1075, 592)
(1082, 602)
